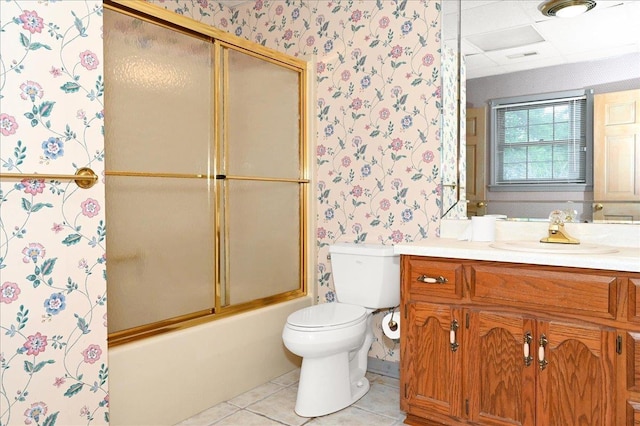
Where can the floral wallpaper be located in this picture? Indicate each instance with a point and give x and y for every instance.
(452, 208)
(378, 100)
(378, 167)
(53, 351)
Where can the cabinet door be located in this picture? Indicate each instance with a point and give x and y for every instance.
(500, 384)
(631, 376)
(633, 413)
(431, 365)
(576, 385)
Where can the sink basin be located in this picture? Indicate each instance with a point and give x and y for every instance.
(537, 247)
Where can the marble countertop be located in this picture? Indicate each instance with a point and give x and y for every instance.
(624, 259)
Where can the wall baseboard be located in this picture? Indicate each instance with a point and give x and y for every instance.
(384, 368)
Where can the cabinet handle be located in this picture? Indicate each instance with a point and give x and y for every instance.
(541, 359)
(431, 280)
(527, 349)
(453, 341)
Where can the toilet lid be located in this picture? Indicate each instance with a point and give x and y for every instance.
(327, 315)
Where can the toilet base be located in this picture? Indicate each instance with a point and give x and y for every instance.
(325, 386)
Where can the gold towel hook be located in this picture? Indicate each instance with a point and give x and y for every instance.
(84, 177)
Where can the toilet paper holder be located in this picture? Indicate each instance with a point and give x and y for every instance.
(393, 325)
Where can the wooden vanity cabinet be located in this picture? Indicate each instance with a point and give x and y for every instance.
(432, 374)
(631, 377)
(535, 372)
(500, 382)
(432, 368)
(510, 365)
(630, 370)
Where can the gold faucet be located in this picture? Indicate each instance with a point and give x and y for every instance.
(557, 233)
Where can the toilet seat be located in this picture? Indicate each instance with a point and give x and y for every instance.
(326, 316)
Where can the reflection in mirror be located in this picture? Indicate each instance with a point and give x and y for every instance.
(452, 130)
(509, 49)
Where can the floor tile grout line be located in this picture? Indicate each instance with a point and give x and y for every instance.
(386, 385)
(386, 416)
(221, 418)
(248, 407)
(283, 386)
(267, 417)
(271, 418)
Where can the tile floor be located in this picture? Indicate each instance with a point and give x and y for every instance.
(272, 404)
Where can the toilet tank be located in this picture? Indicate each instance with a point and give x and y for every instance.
(366, 274)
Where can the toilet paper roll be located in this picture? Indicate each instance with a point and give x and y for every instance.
(386, 329)
(483, 228)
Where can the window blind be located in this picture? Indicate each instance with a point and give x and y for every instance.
(541, 142)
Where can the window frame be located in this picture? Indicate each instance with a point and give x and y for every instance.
(495, 104)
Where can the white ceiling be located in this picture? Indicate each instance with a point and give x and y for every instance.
(612, 28)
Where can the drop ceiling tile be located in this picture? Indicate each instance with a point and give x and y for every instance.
(543, 51)
(609, 52)
(574, 40)
(470, 49)
(480, 61)
(531, 64)
(484, 72)
(506, 38)
(489, 17)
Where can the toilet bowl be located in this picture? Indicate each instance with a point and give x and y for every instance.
(325, 329)
(329, 337)
(333, 339)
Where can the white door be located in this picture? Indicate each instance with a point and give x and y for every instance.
(476, 162)
(616, 168)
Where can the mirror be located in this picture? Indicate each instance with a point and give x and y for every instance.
(452, 133)
(551, 55)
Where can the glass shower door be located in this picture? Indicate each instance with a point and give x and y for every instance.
(264, 185)
(206, 174)
(159, 200)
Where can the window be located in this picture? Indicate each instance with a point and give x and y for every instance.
(542, 142)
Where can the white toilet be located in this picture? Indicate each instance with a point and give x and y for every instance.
(333, 339)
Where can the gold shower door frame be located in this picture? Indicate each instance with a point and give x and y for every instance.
(223, 43)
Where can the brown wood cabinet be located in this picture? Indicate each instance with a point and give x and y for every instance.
(433, 363)
(496, 343)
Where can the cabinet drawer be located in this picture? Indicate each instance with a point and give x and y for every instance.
(418, 275)
(539, 288)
